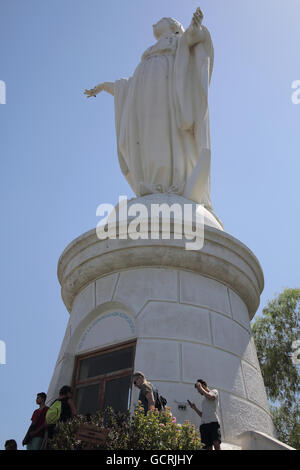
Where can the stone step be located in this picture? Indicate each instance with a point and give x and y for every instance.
(227, 446)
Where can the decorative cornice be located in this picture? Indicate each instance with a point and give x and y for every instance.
(223, 258)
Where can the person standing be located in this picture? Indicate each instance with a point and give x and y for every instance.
(210, 426)
(68, 409)
(61, 410)
(146, 396)
(35, 434)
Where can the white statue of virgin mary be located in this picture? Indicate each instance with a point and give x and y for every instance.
(161, 113)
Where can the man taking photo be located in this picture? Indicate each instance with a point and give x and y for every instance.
(210, 426)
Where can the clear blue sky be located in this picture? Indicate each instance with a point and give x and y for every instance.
(59, 162)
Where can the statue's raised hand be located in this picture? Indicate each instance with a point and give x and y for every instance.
(106, 86)
(90, 93)
(195, 33)
(197, 18)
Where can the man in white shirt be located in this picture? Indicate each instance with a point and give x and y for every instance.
(210, 426)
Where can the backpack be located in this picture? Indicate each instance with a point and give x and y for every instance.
(160, 401)
(54, 412)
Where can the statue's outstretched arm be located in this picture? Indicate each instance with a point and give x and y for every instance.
(195, 33)
(106, 86)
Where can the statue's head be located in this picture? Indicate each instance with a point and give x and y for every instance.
(167, 25)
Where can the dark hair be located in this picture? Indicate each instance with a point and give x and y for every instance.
(202, 383)
(42, 395)
(11, 445)
(65, 389)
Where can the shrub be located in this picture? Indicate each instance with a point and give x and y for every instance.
(154, 431)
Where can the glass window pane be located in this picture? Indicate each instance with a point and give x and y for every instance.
(117, 393)
(87, 399)
(105, 363)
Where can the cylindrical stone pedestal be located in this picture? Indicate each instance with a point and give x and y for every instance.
(189, 312)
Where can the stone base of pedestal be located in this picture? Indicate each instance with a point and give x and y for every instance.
(253, 440)
(188, 311)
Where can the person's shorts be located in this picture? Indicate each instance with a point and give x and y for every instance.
(210, 432)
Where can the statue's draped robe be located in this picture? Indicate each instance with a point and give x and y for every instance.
(162, 121)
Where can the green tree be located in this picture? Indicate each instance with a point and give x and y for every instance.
(286, 422)
(275, 333)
